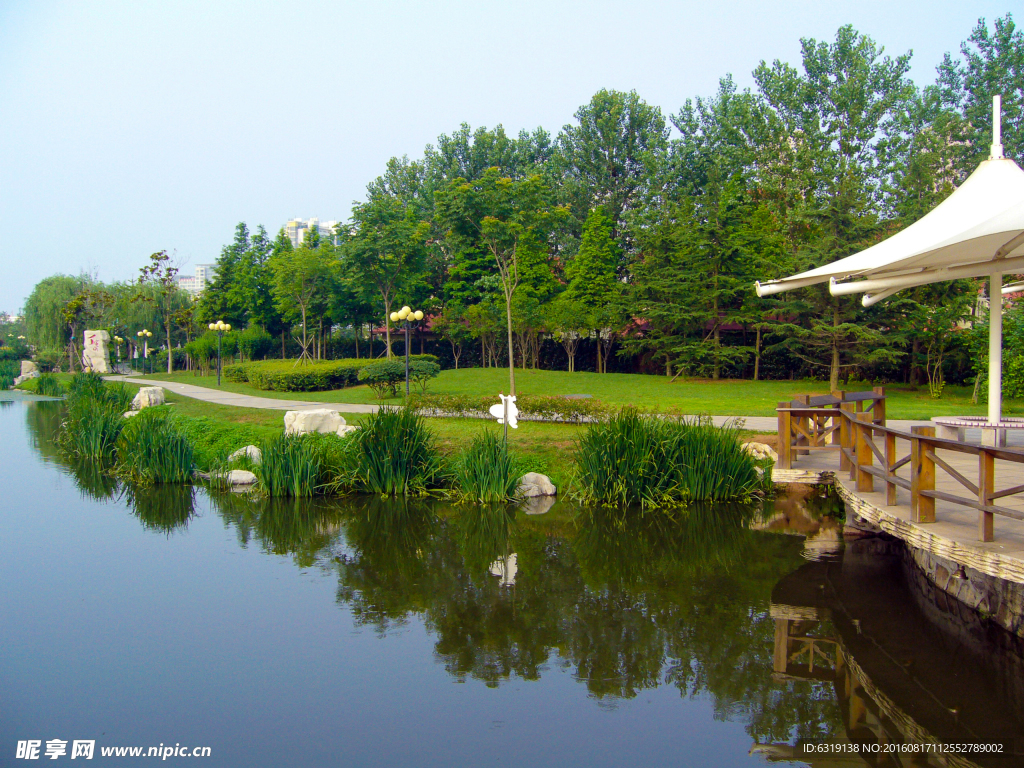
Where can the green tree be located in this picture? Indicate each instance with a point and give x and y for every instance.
(299, 280)
(165, 295)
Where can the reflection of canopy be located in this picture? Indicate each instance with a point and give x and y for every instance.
(977, 231)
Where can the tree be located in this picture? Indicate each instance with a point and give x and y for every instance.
(45, 325)
(451, 325)
(569, 320)
(166, 296)
(299, 278)
(384, 247)
(87, 306)
(508, 218)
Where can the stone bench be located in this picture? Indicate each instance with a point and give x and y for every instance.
(952, 428)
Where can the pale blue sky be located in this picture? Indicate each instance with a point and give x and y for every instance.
(131, 127)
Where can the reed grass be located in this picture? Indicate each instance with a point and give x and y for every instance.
(631, 459)
(487, 472)
(94, 417)
(48, 384)
(291, 466)
(396, 455)
(150, 449)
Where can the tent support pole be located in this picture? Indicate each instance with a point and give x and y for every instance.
(995, 348)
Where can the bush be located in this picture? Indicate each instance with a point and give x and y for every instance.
(286, 376)
(7, 354)
(383, 377)
(422, 371)
(50, 360)
(158, 360)
(395, 454)
(486, 472)
(255, 343)
(237, 372)
(9, 371)
(632, 459)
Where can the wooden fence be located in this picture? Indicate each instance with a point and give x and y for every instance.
(851, 423)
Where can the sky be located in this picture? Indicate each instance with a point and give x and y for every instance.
(133, 127)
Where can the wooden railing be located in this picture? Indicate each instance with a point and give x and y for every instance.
(840, 422)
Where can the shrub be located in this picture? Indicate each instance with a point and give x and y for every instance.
(395, 454)
(286, 376)
(632, 459)
(202, 349)
(422, 371)
(9, 371)
(150, 449)
(50, 360)
(7, 353)
(486, 472)
(383, 377)
(237, 372)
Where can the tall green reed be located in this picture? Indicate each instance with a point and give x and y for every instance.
(150, 449)
(487, 472)
(396, 455)
(291, 466)
(94, 417)
(631, 459)
(48, 384)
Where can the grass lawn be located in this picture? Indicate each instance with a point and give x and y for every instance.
(720, 398)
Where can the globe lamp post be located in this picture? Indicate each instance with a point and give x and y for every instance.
(220, 327)
(144, 335)
(408, 317)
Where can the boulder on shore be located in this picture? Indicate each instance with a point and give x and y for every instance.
(322, 420)
(148, 396)
(346, 429)
(26, 377)
(535, 484)
(27, 367)
(241, 477)
(761, 452)
(254, 454)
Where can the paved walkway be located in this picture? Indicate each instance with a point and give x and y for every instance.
(220, 397)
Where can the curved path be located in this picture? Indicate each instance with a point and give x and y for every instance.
(220, 397)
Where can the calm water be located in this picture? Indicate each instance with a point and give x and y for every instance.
(365, 633)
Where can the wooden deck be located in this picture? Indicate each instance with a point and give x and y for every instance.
(954, 535)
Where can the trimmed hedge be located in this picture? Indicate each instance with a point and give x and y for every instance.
(539, 407)
(317, 376)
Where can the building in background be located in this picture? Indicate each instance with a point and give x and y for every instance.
(196, 284)
(296, 229)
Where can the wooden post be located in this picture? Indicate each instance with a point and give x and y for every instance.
(862, 427)
(845, 436)
(837, 434)
(780, 657)
(986, 487)
(922, 477)
(803, 421)
(890, 459)
(785, 437)
(878, 409)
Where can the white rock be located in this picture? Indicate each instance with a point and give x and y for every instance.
(27, 367)
(241, 477)
(129, 414)
(760, 452)
(26, 377)
(346, 429)
(95, 352)
(536, 484)
(255, 454)
(321, 420)
(148, 396)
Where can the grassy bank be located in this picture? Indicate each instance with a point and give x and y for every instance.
(684, 396)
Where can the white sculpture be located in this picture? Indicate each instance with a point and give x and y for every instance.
(95, 355)
(507, 405)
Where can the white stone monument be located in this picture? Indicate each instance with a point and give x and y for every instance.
(95, 353)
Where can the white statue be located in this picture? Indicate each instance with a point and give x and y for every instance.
(507, 405)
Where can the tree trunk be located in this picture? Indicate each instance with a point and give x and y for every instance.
(387, 327)
(170, 352)
(355, 335)
(757, 353)
(283, 350)
(833, 376)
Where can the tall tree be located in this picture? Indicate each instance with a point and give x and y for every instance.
(299, 280)
(166, 296)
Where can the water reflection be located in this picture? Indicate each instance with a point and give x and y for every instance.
(164, 508)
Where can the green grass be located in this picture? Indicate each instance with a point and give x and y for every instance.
(683, 396)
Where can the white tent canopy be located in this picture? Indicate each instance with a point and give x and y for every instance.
(977, 231)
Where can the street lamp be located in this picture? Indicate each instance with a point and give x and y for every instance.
(407, 316)
(118, 341)
(220, 326)
(144, 335)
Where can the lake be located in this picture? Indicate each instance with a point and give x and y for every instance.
(365, 632)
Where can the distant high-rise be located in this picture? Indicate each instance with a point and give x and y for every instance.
(196, 284)
(296, 229)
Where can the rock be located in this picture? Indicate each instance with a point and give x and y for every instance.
(148, 396)
(254, 454)
(761, 452)
(346, 429)
(537, 505)
(241, 477)
(95, 353)
(129, 414)
(535, 484)
(321, 420)
(26, 377)
(27, 367)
